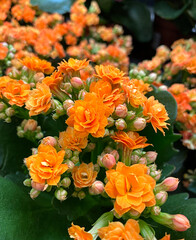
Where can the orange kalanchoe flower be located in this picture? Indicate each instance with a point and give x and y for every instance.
(84, 175)
(53, 80)
(88, 116)
(109, 73)
(191, 65)
(39, 100)
(17, 92)
(156, 113)
(3, 51)
(111, 98)
(116, 230)
(78, 233)
(131, 186)
(46, 166)
(73, 65)
(131, 140)
(3, 82)
(69, 140)
(38, 65)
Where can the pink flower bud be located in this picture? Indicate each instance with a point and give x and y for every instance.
(66, 182)
(170, 184)
(120, 124)
(151, 156)
(75, 159)
(139, 124)
(2, 106)
(9, 112)
(180, 223)
(155, 210)
(68, 153)
(49, 141)
(142, 160)
(121, 111)
(38, 186)
(161, 198)
(82, 94)
(67, 87)
(108, 161)
(34, 193)
(70, 164)
(81, 195)
(134, 159)
(163, 88)
(76, 82)
(61, 194)
(96, 188)
(115, 154)
(30, 125)
(68, 103)
(134, 214)
(130, 115)
(110, 122)
(38, 77)
(34, 151)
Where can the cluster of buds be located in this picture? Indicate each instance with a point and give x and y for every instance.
(36, 188)
(58, 107)
(30, 130)
(142, 157)
(6, 112)
(108, 158)
(142, 75)
(8, 52)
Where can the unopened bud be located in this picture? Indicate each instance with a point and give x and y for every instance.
(130, 115)
(120, 124)
(153, 76)
(163, 88)
(38, 186)
(161, 198)
(75, 159)
(27, 182)
(34, 193)
(115, 154)
(90, 147)
(134, 159)
(70, 164)
(2, 106)
(76, 82)
(151, 156)
(8, 120)
(110, 122)
(134, 214)
(139, 124)
(82, 94)
(121, 111)
(67, 87)
(96, 167)
(156, 174)
(39, 135)
(142, 160)
(51, 141)
(20, 133)
(176, 222)
(107, 132)
(30, 125)
(66, 182)
(68, 103)
(68, 111)
(155, 210)
(9, 112)
(96, 188)
(81, 195)
(38, 77)
(169, 184)
(68, 153)
(2, 116)
(108, 161)
(61, 194)
(34, 151)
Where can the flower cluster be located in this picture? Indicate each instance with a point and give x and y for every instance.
(100, 150)
(29, 29)
(169, 67)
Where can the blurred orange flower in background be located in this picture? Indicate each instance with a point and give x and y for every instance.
(84, 175)
(73, 65)
(131, 186)
(46, 166)
(116, 230)
(39, 99)
(3, 51)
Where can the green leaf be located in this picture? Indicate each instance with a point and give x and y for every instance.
(135, 16)
(60, 6)
(168, 101)
(167, 170)
(168, 9)
(192, 10)
(22, 218)
(179, 204)
(192, 187)
(12, 148)
(105, 5)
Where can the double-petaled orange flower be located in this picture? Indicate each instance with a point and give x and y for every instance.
(38, 65)
(3, 51)
(116, 230)
(131, 186)
(39, 100)
(79, 233)
(73, 65)
(69, 140)
(88, 116)
(111, 98)
(53, 80)
(191, 65)
(84, 175)
(131, 140)
(156, 113)
(109, 73)
(3, 82)
(17, 92)
(46, 166)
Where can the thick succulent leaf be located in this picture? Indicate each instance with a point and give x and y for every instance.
(22, 218)
(179, 204)
(168, 10)
(59, 6)
(192, 10)
(167, 170)
(12, 148)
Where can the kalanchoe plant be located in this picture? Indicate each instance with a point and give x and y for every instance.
(95, 158)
